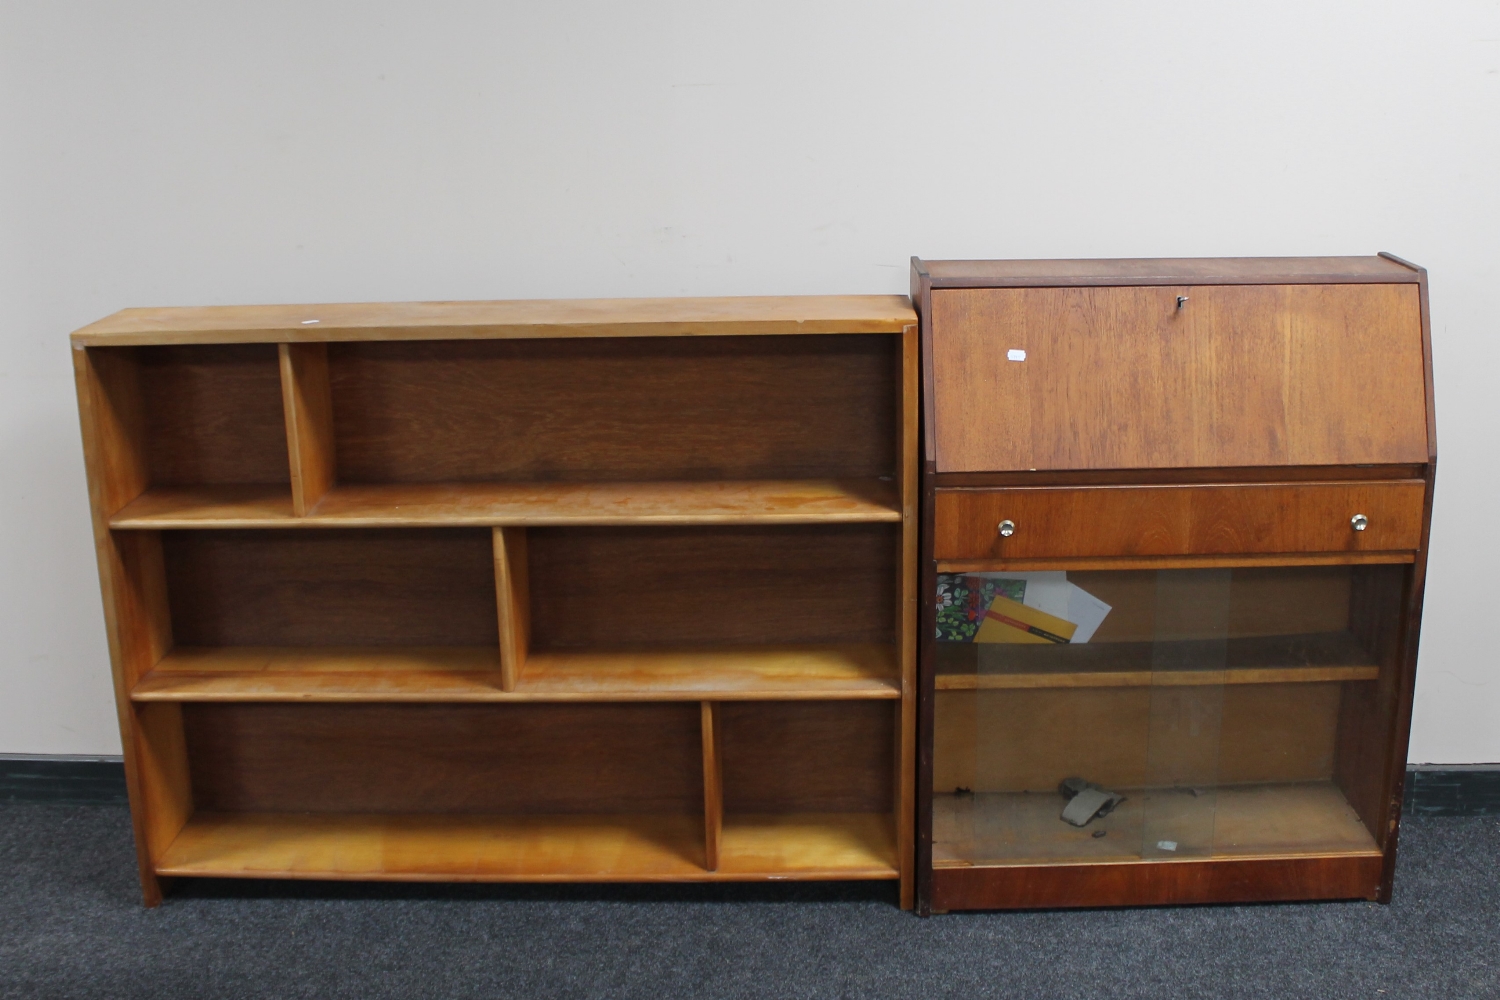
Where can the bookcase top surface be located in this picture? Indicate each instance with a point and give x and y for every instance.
(1167, 271)
(503, 319)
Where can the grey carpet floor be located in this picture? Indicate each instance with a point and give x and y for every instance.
(71, 925)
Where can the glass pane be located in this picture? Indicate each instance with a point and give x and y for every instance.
(1143, 714)
(1189, 644)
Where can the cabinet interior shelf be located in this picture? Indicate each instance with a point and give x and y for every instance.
(539, 848)
(1281, 659)
(521, 504)
(1288, 819)
(472, 674)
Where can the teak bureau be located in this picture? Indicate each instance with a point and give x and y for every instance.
(579, 590)
(1175, 519)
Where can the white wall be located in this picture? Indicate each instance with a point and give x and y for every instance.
(165, 154)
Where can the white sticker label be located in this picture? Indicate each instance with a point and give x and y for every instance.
(1167, 845)
(1015, 354)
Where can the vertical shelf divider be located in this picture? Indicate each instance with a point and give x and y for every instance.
(513, 598)
(713, 785)
(308, 400)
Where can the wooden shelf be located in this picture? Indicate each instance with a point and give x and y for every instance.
(1247, 821)
(752, 674)
(503, 320)
(808, 846)
(528, 848)
(1315, 658)
(472, 674)
(518, 504)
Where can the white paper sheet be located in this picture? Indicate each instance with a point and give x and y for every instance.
(1084, 610)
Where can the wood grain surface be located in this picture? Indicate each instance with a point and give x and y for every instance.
(848, 672)
(808, 846)
(643, 758)
(518, 318)
(214, 414)
(358, 587)
(564, 848)
(1123, 378)
(796, 757)
(1177, 520)
(513, 600)
(308, 408)
(371, 505)
(620, 588)
(713, 784)
(909, 409)
(1154, 883)
(1165, 271)
(616, 410)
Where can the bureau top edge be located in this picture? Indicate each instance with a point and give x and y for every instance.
(1380, 269)
(502, 320)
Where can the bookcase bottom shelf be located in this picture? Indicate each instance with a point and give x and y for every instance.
(1243, 821)
(457, 674)
(468, 848)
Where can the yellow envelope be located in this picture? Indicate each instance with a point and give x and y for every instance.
(1012, 621)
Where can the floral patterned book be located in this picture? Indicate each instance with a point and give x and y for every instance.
(962, 602)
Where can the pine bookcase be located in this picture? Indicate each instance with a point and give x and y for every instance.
(594, 590)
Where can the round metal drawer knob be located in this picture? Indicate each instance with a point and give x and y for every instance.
(1359, 522)
(1007, 528)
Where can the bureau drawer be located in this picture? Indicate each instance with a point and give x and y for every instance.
(1177, 520)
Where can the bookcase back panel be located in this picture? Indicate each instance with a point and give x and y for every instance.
(378, 587)
(788, 757)
(682, 408)
(620, 587)
(213, 414)
(543, 758)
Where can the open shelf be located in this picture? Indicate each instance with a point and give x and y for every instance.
(457, 674)
(441, 846)
(1247, 821)
(525, 848)
(512, 591)
(808, 846)
(1280, 659)
(850, 671)
(484, 504)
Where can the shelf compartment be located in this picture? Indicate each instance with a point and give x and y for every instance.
(808, 846)
(521, 504)
(437, 847)
(415, 847)
(1250, 821)
(725, 408)
(1320, 657)
(456, 674)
